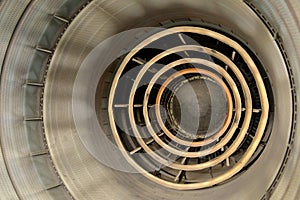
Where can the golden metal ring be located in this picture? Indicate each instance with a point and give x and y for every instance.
(229, 107)
(262, 93)
(205, 152)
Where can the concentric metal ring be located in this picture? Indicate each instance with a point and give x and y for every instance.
(214, 77)
(236, 138)
(217, 68)
(200, 153)
(42, 56)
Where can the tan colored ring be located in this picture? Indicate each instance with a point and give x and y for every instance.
(260, 130)
(229, 107)
(208, 151)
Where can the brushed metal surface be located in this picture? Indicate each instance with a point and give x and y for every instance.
(64, 129)
(70, 167)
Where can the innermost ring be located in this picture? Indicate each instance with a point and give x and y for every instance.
(198, 107)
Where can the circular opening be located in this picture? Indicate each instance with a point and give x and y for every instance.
(58, 85)
(198, 107)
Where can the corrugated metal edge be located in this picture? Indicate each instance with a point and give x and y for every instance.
(16, 11)
(285, 16)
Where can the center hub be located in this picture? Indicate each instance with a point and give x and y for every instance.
(198, 107)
